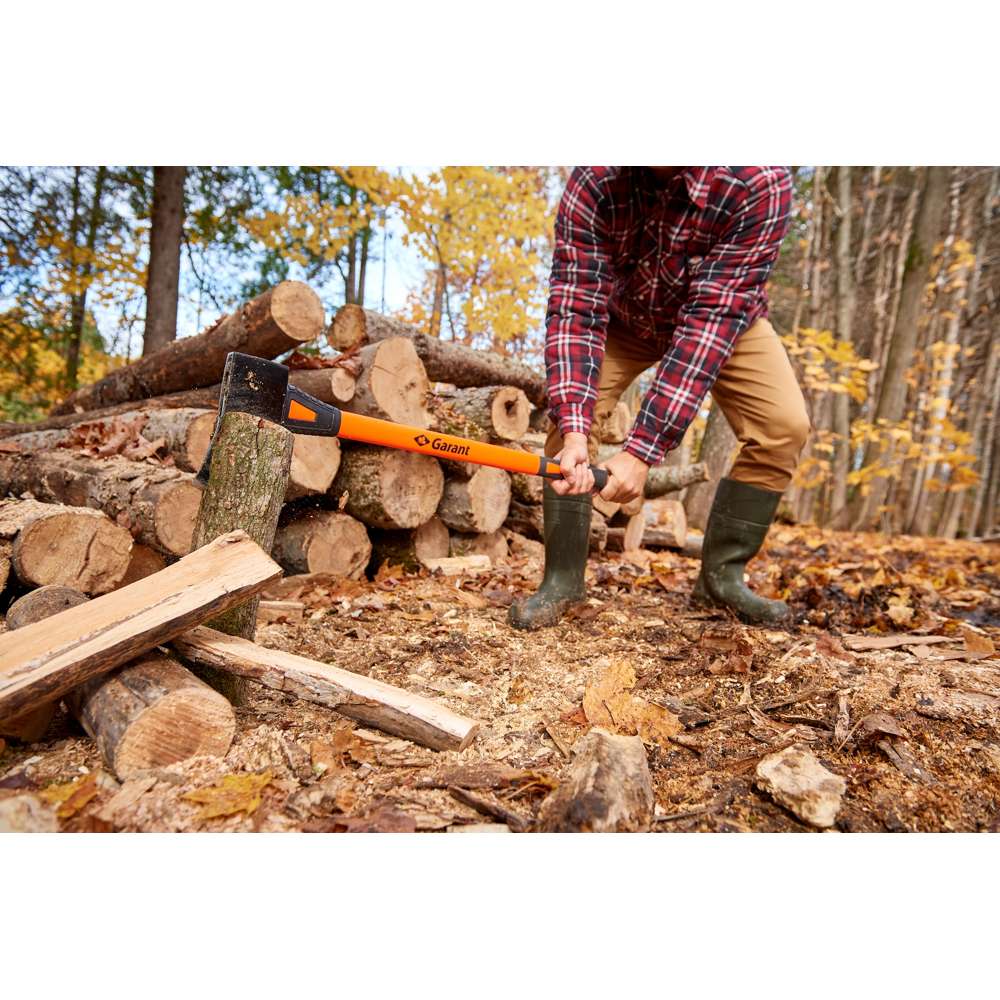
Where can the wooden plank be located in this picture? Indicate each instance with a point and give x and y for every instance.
(45, 660)
(372, 702)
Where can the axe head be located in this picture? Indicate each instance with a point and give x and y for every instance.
(260, 387)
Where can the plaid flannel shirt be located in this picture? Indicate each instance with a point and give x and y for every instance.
(684, 265)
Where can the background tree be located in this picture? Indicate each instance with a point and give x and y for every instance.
(165, 237)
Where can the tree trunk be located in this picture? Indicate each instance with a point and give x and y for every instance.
(718, 448)
(410, 549)
(477, 505)
(388, 489)
(444, 361)
(892, 397)
(323, 541)
(163, 277)
(44, 661)
(70, 546)
(157, 505)
(277, 321)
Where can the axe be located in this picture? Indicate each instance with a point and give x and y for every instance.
(261, 388)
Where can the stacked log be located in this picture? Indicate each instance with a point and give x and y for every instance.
(323, 541)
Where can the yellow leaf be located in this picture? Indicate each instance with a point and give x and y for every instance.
(72, 796)
(234, 793)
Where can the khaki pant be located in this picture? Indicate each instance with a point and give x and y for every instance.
(756, 389)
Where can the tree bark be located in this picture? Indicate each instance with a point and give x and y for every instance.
(388, 489)
(157, 505)
(358, 697)
(163, 277)
(444, 361)
(608, 788)
(323, 541)
(70, 546)
(44, 661)
(277, 321)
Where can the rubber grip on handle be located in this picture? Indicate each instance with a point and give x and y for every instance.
(600, 478)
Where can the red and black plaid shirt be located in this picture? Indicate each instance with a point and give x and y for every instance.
(684, 265)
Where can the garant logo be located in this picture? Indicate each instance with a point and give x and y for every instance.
(422, 439)
(449, 449)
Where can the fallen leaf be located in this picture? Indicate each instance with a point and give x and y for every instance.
(72, 796)
(735, 663)
(470, 599)
(232, 794)
(9, 446)
(830, 645)
(900, 614)
(978, 644)
(501, 598)
(655, 724)
(606, 701)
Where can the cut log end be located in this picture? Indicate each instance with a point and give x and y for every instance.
(297, 311)
(323, 541)
(389, 489)
(315, 461)
(392, 383)
(348, 328)
(478, 505)
(175, 517)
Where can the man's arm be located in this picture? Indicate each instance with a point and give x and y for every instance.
(714, 316)
(579, 290)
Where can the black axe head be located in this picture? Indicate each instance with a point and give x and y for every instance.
(260, 387)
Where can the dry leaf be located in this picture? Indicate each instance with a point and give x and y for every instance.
(978, 644)
(232, 794)
(654, 723)
(9, 446)
(735, 663)
(72, 796)
(830, 645)
(900, 614)
(605, 702)
(470, 599)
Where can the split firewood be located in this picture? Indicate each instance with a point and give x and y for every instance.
(616, 426)
(282, 318)
(477, 505)
(54, 544)
(157, 505)
(410, 549)
(371, 702)
(323, 541)
(246, 488)
(280, 611)
(628, 537)
(387, 488)
(607, 788)
(633, 507)
(492, 544)
(391, 383)
(43, 661)
(458, 565)
(30, 726)
(445, 361)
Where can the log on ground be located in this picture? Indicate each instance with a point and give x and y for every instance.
(388, 489)
(445, 361)
(492, 544)
(410, 549)
(477, 505)
(56, 544)
(323, 541)
(670, 529)
(30, 726)
(369, 701)
(43, 661)
(157, 505)
(608, 788)
(280, 319)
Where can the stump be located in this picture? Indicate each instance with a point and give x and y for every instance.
(607, 789)
(410, 549)
(388, 489)
(153, 713)
(71, 546)
(391, 383)
(246, 488)
(477, 505)
(323, 541)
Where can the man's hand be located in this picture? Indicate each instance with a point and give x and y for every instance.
(574, 463)
(626, 478)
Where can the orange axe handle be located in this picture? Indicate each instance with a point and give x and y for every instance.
(371, 430)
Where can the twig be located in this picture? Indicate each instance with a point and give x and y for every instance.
(514, 820)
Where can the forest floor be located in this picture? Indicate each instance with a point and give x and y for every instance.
(929, 761)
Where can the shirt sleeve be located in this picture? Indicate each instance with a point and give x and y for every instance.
(579, 291)
(721, 299)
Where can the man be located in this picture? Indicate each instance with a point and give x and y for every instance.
(668, 265)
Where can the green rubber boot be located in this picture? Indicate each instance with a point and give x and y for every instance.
(740, 517)
(567, 538)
